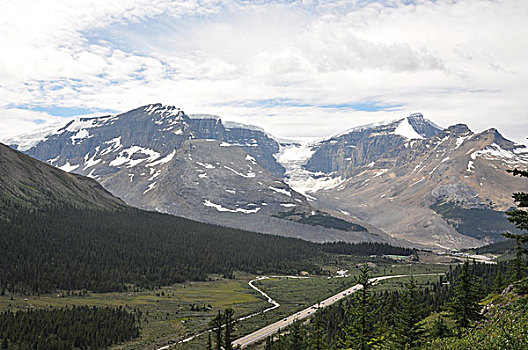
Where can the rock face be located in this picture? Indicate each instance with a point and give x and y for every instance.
(158, 158)
(362, 145)
(438, 188)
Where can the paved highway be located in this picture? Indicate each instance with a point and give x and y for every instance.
(274, 327)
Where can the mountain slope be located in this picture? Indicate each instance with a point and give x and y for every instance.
(30, 183)
(444, 188)
(402, 181)
(158, 158)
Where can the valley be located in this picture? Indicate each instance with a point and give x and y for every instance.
(264, 175)
(168, 315)
(70, 244)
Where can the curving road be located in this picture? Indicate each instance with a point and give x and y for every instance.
(275, 327)
(251, 284)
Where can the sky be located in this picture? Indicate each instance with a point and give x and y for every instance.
(299, 69)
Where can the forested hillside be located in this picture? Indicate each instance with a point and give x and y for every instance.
(28, 183)
(70, 248)
(67, 328)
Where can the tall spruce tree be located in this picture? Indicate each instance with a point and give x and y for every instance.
(229, 323)
(439, 328)
(407, 331)
(520, 218)
(318, 335)
(209, 342)
(216, 323)
(269, 343)
(360, 331)
(464, 307)
(297, 337)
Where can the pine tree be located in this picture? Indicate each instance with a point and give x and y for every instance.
(216, 323)
(318, 336)
(269, 343)
(209, 342)
(498, 283)
(520, 218)
(296, 339)
(407, 332)
(464, 307)
(359, 333)
(439, 328)
(229, 323)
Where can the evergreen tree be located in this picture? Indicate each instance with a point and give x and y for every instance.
(229, 322)
(296, 339)
(439, 328)
(209, 342)
(520, 218)
(407, 331)
(269, 343)
(360, 331)
(216, 323)
(317, 336)
(464, 307)
(498, 283)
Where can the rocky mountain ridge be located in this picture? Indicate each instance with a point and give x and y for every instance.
(407, 180)
(424, 186)
(158, 158)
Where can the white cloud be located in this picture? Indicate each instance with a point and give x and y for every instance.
(455, 61)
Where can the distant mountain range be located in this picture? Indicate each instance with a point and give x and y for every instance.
(404, 182)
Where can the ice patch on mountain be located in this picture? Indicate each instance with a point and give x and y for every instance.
(79, 136)
(251, 159)
(406, 130)
(280, 190)
(163, 160)
(288, 205)
(26, 141)
(126, 156)
(494, 151)
(206, 165)
(68, 167)
(293, 157)
(248, 175)
(150, 187)
(220, 208)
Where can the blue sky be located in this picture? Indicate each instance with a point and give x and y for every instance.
(307, 68)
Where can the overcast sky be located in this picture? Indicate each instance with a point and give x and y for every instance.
(297, 68)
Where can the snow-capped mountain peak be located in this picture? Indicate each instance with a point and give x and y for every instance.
(407, 130)
(422, 126)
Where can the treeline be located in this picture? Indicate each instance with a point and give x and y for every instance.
(365, 249)
(72, 249)
(67, 328)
